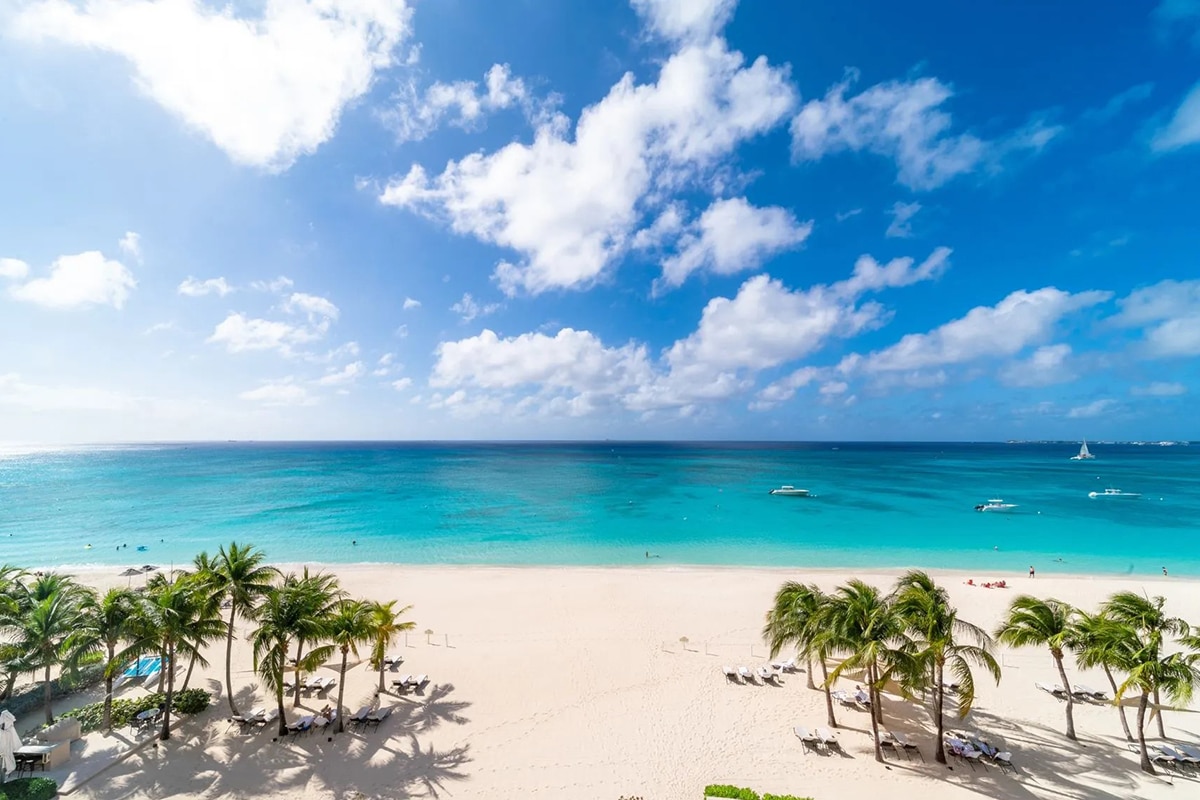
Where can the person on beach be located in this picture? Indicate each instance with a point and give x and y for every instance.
(1031, 570)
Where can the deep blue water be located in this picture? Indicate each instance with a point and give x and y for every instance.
(876, 505)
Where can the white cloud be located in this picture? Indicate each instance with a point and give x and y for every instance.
(1022, 319)
(386, 359)
(871, 276)
(1169, 312)
(197, 288)
(280, 284)
(264, 89)
(1159, 389)
(464, 103)
(842, 216)
(347, 374)
(79, 281)
(901, 224)
(1044, 367)
(468, 309)
(1092, 409)
(402, 384)
(570, 206)
(904, 121)
(315, 307)
(283, 392)
(1184, 127)
(409, 303)
(785, 388)
(13, 269)
(733, 236)
(160, 327)
(240, 334)
(131, 243)
(685, 20)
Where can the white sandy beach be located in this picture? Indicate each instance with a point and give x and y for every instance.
(572, 683)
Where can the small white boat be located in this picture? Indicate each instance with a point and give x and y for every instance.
(995, 504)
(1084, 454)
(791, 491)
(1114, 493)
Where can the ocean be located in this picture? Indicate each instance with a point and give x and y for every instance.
(607, 503)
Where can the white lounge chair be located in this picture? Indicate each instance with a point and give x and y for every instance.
(784, 666)
(730, 674)
(393, 659)
(764, 673)
(1090, 693)
(419, 682)
(746, 674)
(378, 717)
(842, 698)
(267, 718)
(828, 738)
(1188, 750)
(905, 744)
(808, 740)
(1055, 692)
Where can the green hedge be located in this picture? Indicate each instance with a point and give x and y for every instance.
(190, 701)
(738, 793)
(28, 789)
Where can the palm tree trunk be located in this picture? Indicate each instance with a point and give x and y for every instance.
(828, 696)
(1147, 766)
(1062, 676)
(281, 655)
(939, 706)
(229, 660)
(341, 690)
(296, 691)
(807, 669)
(166, 728)
(874, 722)
(1120, 708)
(9, 684)
(191, 665)
(380, 673)
(48, 693)
(162, 673)
(1162, 734)
(106, 720)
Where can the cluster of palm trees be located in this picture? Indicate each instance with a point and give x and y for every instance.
(911, 641)
(50, 622)
(1144, 652)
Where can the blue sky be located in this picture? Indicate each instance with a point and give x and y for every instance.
(655, 219)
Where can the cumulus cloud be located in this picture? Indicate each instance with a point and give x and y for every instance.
(468, 308)
(402, 384)
(1091, 410)
(733, 236)
(569, 203)
(903, 121)
(410, 304)
(265, 88)
(685, 20)
(341, 377)
(1169, 314)
(311, 305)
(1044, 367)
(1021, 319)
(464, 104)
(75, 282)
(131, 243)
(1159, 389)
(901, 224)
(280, 284)
(282, 392)
(197, 288)
(13, 269)
(239, 334)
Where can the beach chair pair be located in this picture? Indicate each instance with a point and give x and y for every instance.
(358, 717)
(267, 718)
(301, 726)
(1054, 691)
(407, 682)
(1176, 757)
(900, 744)
(318, 684)
(766, 674)
(393, 660)
(784, 666)
(1088, 693)
(375, 717)
(822, 740)
(965, 751)
(245, 721)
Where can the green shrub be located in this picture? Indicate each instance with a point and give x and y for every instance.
(770, 796)
(92, 715)
(28, 789)
(192, 701)
(725, 790)
(32, 697)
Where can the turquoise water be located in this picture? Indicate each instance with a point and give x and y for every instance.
(876, 505)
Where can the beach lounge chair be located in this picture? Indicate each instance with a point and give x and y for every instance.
(808, 740)
(420, 682)
(402, 682)
(1189, 751)
(315, 683)
(843, 698)
(746, 674)
(764, 674)
(785, 666)
(378, 716)
(730, 674)
(321, 721)
(1182, 758)
(828, 738)
(267, 718)
(1003, 759)
(862, 698)
(905, 744)
(358, 717)
(394, 660)
(1055, 692)
(302, 725)
(1090, 693)
(1166, 756)
(329, 684)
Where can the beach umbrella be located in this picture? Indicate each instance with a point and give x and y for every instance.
(10, 741)
(129, 573)
(149, 568)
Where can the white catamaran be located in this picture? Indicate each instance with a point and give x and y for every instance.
(1084, 455)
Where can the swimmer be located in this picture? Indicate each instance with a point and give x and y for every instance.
(1164, 572)
(354, 542)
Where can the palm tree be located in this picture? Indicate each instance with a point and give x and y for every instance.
(319, 596)
(105, 624)
(240, 579)
(797, 619)
(936, 630)
(866, 626)
(1148, 618)
(385, 626)
(47, 613)
(1042, 623)
(1175, 674)
(1107, 644)
(176, 618)
(350, 626)
(206, 584)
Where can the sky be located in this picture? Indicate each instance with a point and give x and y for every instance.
(660, 219)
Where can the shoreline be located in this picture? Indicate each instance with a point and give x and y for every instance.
(1015, 578)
